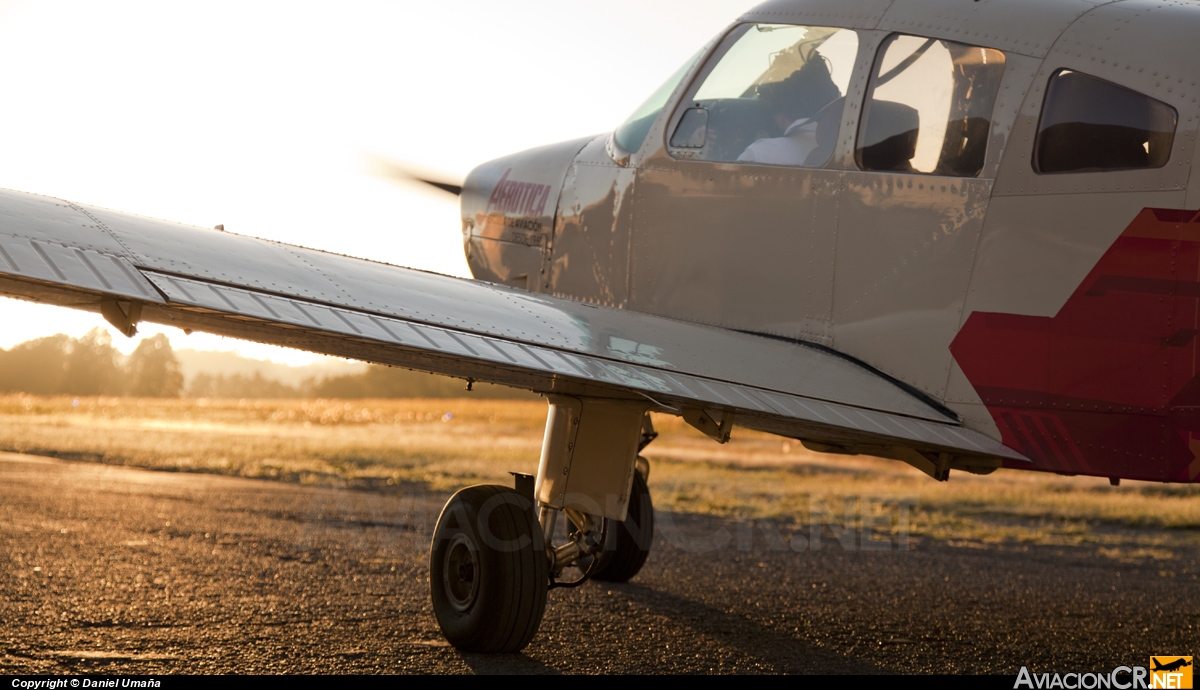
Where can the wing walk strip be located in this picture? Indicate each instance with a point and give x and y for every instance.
(655, 383)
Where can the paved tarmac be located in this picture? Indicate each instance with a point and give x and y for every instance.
(116, 570)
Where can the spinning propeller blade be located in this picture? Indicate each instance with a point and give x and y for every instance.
(381, 167)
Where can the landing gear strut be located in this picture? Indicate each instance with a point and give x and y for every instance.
(493, 559)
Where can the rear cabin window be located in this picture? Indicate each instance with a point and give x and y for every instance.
(929, 107)
(774, 97)
(1092, 125)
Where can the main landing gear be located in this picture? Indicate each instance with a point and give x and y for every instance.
(496, 550)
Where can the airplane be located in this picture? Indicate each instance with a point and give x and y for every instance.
(961, 235)
(1181, 662)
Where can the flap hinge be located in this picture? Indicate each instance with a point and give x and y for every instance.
(717, 428)
(123, 314)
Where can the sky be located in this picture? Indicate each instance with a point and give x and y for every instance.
(265, 116)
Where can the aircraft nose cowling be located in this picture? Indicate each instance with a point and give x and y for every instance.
(508, 208)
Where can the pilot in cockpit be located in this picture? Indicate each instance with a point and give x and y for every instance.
(795, 102)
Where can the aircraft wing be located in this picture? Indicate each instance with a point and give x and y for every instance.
(130, 267)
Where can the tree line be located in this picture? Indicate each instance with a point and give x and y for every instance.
(61, 365)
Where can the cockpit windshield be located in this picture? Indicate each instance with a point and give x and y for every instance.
(632, 133)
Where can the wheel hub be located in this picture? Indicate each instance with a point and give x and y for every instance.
(461, 572)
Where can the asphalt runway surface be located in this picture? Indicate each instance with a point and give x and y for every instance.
(116, 570)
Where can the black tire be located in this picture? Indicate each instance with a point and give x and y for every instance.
(488, 570)
(627, 544)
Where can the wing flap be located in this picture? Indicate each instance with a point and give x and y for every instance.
(413, 344)
(808, 369)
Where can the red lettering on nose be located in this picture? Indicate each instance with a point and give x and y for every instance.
(524, 198)
(519, 197)
(541, 202)
(510, 189)
(497, 191)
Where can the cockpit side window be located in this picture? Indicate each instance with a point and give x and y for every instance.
(1092, 125)
(774, 97)
(929, 107)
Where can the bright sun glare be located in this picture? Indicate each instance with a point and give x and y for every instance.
(263, 116)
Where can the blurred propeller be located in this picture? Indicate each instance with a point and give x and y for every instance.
(382, 167)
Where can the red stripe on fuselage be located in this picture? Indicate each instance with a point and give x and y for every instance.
(1107, 386)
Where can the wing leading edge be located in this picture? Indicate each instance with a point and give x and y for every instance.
(130, 266)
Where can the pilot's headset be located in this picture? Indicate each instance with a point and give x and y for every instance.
(804, 92)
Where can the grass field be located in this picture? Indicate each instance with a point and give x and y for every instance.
(388, 445)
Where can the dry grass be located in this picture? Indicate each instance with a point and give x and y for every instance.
(445, 444)
(310, 441)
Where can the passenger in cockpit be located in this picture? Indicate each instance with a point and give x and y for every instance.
(795, 101)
